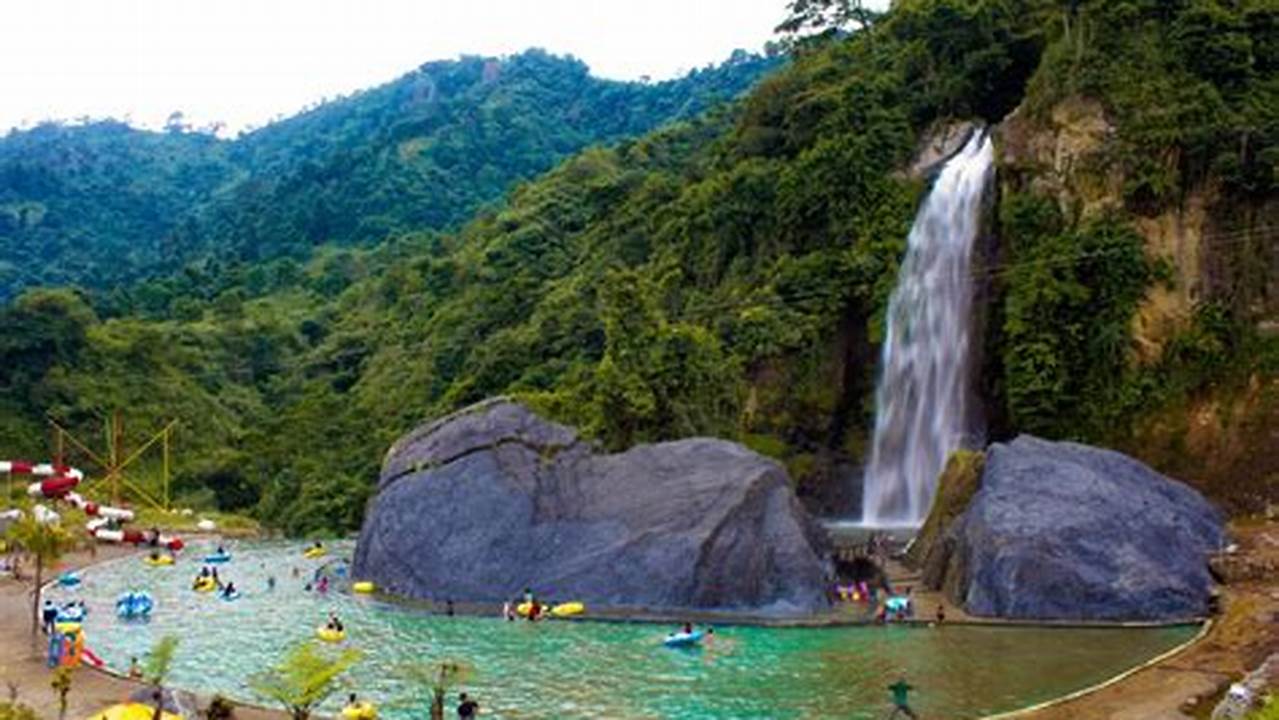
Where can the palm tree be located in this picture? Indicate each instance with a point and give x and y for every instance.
(47, 542)
(305, 678)
(159, 661)
(439, 677)
(61, 684)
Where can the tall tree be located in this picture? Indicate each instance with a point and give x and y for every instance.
(826, 16)
(46, 542)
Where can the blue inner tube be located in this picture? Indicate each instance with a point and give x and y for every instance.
(683, 639)
(234, 595)
(68, 579)
(216, 558)
(68, 615)
(134, 605)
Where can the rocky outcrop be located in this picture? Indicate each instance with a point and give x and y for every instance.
(933, 547)
(940, 144)
(483, 503)
(1248, 695)
(1064, 531)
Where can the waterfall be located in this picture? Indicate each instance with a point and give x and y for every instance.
(923, 409)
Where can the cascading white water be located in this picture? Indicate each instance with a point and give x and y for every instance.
(923, 409)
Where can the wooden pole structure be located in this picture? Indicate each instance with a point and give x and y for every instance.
(116, 462)
(117, 439)
(165, 472)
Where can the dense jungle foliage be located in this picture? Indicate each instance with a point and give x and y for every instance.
(726, 274)
(101, 204)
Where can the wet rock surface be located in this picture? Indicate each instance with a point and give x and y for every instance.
(483, 503)
(1064, 531)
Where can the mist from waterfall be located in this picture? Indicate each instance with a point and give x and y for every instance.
(924, 408)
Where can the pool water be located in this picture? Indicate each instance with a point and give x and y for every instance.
(592, 669)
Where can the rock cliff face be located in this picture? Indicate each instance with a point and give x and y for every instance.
(1069, 532)
(493, 499)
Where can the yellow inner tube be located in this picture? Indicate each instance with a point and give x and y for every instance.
(66, 628)
(568, 609)
(161, 560)
(314, 552)
(328, 634)
(132, 711)
(360, 711)
(205, 584)
(364, 586)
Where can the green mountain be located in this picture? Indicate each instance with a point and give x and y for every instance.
(727, 274)
(101, 205)
(93, 204)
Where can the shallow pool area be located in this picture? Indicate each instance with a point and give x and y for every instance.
(558, 669)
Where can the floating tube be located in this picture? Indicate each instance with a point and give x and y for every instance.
(683, 639)
(204, 584)
(328, 634)
(364, 586)
(71, 614)
(218, 558)
(132, 711)
(134, 605)
(68, 579)
(315, 552)
(229, 597)
(568, 609)
(158, 561)
(360, 711)
(66, 628)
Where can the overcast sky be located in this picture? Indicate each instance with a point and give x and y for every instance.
(243, 62)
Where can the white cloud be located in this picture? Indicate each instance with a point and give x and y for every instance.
(245, 61)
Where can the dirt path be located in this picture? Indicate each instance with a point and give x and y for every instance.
(22, 661)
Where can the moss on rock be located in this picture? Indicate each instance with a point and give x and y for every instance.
(956, 486)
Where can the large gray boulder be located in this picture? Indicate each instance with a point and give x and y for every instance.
(483, 503)
(1065, 531)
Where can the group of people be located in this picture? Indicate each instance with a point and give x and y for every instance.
(226, 590)
(467, 707)
(319, 581)
(49, 613)
(535, 609)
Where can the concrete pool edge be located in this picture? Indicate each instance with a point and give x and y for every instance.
(1204, 629)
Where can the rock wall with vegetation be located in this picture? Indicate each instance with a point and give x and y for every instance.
(727, 274)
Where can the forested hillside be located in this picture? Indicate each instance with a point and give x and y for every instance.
(95, 204)
(100, 205)
(727, 274)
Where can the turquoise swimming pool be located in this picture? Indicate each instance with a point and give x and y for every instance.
(593, 669)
